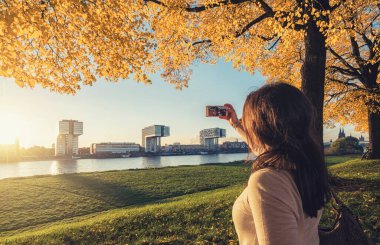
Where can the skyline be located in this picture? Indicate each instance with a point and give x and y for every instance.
(118, 111)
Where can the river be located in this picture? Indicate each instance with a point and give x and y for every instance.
(54, 167)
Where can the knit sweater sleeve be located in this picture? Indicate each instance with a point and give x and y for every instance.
(270, 197)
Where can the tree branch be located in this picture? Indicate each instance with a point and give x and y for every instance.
(356, 52)
(369, 44)
(266, 7)
(274, 44)
(347, 83)
(201, 42)
(242, 31)
(252, 23)
(267, 38)
(343, 61)
(284, 24)
(200, 8)
(342, 71)
(332, 8)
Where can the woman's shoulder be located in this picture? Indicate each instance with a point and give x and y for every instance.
(274, 185)
(270, 175)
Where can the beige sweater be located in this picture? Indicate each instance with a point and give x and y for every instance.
(269, 212)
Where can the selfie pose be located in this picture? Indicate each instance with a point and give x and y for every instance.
(288, 187)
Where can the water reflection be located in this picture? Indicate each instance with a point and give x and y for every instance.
(64, 166)
(151, 162)
(55, 167)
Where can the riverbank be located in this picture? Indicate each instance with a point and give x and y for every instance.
(168, 205)
(22, 159)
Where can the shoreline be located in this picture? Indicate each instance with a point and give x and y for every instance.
(237, 162)
(54, 158)
(81, 167)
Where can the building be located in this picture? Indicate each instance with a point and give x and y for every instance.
(178, 148)
(114, 148)
(341, 134)
(364, 143)
(151, 137)
(68, 137)
(209, 138)
(361, 138)
(234, 146)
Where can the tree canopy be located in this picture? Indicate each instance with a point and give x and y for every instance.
(63, 44)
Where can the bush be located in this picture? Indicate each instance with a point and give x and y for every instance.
(345, 145)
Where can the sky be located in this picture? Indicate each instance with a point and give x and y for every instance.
(116, 112)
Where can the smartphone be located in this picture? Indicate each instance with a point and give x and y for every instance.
(216, 111)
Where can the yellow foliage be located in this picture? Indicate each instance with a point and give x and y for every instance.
(62, 44)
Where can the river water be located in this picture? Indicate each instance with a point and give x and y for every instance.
(54, 167)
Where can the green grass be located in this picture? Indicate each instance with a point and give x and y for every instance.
(331, 160)
(28, 202)
(358, 184)
(174, 215)
(203, 216)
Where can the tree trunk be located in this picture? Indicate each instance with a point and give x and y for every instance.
(374, 135)
(313, 73)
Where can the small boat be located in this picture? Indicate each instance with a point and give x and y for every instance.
(126, 155)
(203, 152)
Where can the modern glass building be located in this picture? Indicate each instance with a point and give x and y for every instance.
(209, 138)
(151, 137)
(68, 137)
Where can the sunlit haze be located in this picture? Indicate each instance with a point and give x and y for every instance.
(118, 111)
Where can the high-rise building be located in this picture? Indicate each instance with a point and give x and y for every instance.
(67, 139)
(151, 137)
(209, 138)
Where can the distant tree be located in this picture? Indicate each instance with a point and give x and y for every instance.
(36, 151)
(345, 145)
(61, 44)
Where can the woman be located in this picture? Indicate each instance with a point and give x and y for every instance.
(288, 187)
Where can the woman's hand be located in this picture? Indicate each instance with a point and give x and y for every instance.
(231, 116)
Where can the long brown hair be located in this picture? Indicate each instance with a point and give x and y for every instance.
(279, 118)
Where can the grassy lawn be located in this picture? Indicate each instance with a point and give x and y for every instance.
(27, 202)
(331, 160)
(187, 204)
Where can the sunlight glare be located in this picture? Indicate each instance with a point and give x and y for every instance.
(12, 127)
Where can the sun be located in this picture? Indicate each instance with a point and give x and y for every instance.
(13, 126)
